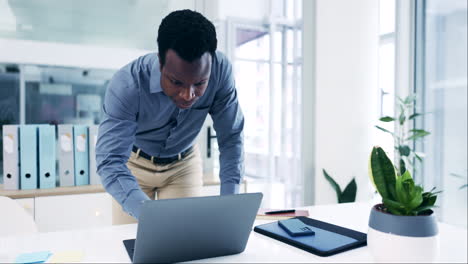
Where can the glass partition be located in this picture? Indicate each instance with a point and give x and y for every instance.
(56, 95)
(441, 85)
(9, 101)
(51, 95)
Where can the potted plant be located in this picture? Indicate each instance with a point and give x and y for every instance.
(404, 135)
(403, 228)
(348, 195)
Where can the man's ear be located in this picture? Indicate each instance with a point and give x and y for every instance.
(160, 64)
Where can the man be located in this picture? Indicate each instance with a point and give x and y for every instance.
(154, 109)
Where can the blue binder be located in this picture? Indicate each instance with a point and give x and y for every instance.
(47, 146)
(81, 148)
(28, 157)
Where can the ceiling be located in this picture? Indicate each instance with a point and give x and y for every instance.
(113, 23)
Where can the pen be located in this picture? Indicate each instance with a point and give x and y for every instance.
(281, 211)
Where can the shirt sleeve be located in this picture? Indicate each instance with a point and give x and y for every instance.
(228, 121)
(115, 140)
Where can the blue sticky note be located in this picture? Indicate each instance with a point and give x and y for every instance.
(34, 257)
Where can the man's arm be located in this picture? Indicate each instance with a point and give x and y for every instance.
(228, 121)
(115, 140)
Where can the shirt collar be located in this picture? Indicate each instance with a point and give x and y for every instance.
(155, 77)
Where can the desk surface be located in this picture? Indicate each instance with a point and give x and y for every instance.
(105, 244)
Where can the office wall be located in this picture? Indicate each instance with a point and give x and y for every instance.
(69, 55)
(245, 9)
(340, 94)
(82, 34)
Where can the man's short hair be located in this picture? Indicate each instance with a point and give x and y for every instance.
(188, 33)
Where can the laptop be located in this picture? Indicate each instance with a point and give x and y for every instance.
(185, 229)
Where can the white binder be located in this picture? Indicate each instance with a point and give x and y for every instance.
(11, 179)
(65, 155)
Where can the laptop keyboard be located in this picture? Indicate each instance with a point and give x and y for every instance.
(130, 247)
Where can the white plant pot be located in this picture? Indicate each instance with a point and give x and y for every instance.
(393, 238)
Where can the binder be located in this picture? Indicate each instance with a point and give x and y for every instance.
(28, 157)
(81, 152)
(66, 155)
(93, 176)
(328, 239)
(11, 157)
(46, 140)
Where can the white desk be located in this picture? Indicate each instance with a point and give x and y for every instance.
(105, 244)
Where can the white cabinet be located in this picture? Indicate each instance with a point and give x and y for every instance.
(62, 212)
(27, 204)
(60, 209)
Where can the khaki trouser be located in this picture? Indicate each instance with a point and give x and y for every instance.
(183, 178)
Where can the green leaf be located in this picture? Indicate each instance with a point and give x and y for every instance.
(400, 100)
(417, 198)
(387, 119)
(402, 118)
(463, 186)
(410, 99)
(333, 184)
(423, 210)
(456, 175)
(349, 193)
(406, 176)
(402, 167)
(401, 195)
(384, 130)
(394, 207)
(414, 116)
(429, 199)
(418, 133)
(418, 157)
(382, 173)
(404, 187)
(408, 194)
(404, 150)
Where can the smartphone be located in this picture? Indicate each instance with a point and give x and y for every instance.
(296, 227)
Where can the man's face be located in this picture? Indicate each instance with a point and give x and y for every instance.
(185, 82)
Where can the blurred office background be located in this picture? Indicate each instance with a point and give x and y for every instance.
(313, 78)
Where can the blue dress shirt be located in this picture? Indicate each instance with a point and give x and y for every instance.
(137, 112)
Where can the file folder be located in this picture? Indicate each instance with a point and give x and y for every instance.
(28, 157)
(93, 176)
(11, 157)
(66, 155)
(81, 152)
(47, 173)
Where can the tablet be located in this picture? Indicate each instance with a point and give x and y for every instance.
(328, 239)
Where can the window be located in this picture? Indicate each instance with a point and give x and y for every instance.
(387, 71)
(267, 66)
(441, 82)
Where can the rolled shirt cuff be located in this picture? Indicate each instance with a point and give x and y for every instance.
(229, 188)
(134, 201)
